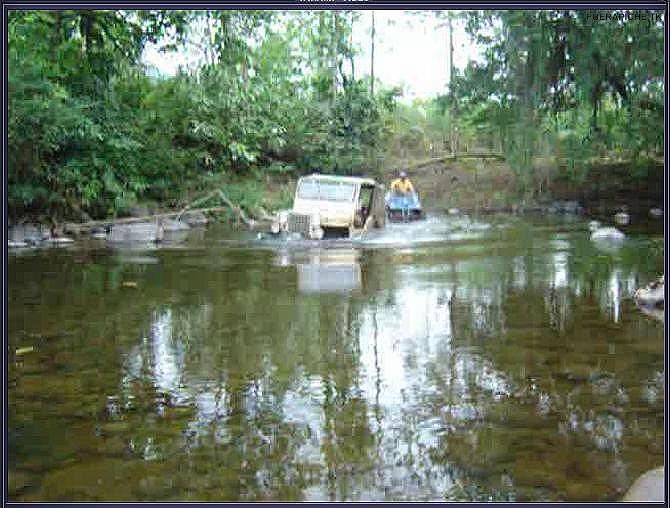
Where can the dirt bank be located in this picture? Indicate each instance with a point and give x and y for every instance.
(486, 185)
(470, 185)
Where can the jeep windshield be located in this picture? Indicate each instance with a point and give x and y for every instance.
(325, 190)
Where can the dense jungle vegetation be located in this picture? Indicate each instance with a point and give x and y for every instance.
(91, 132)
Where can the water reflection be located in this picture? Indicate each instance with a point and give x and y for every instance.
(323, 270)
(404, 379)
(560, 262)
(330, 271)
(520, 270)
(511, 366)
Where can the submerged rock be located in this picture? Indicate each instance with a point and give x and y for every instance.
(653, 295)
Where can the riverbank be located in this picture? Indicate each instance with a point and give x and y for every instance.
(479, 186)
(247, 200)
(450, 187)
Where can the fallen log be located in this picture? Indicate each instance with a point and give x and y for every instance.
(237, 210)
(455, 156)
(85, 227)
(194, 203)
(262, 214)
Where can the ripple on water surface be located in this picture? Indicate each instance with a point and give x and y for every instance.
(459, 358)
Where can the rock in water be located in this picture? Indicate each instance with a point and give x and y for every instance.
(60, 240)
(648, 487)
(174, 231)
(17, 245)
(140, 232)
(72, 228)
(608, 234)
(99, 234)
(622, 218)
(605, 234)
(194, 219)
(572, 207)
(658, 313)
(28, 233)
(566, 207)
(170, 225)
(653, 295)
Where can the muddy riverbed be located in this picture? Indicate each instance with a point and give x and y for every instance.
(499, 358)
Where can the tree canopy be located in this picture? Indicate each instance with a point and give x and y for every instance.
(91, 131)
(569, 83)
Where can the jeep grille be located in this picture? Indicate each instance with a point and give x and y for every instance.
(298, 223)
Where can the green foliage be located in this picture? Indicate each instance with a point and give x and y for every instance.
(276, 94)
(281, 168)
(90, 132)
(560, 83)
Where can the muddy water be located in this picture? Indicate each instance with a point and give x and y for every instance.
(452, 359)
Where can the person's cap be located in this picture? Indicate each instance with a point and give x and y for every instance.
(403, 174)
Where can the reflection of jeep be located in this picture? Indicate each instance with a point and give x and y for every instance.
(333, 205)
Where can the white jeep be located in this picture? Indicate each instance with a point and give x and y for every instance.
(333, 205)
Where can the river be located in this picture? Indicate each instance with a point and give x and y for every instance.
(499, 358)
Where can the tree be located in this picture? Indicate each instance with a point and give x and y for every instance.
(91, 133)
(556, 82)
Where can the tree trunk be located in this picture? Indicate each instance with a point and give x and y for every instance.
(322, 60)
(350, 49)
(241, 215)
(451, 52)
(333, 47)
(372, 56)
(56, 35)
(209, 45)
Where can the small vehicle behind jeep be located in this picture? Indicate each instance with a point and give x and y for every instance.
(403, 207)
(333, 206)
